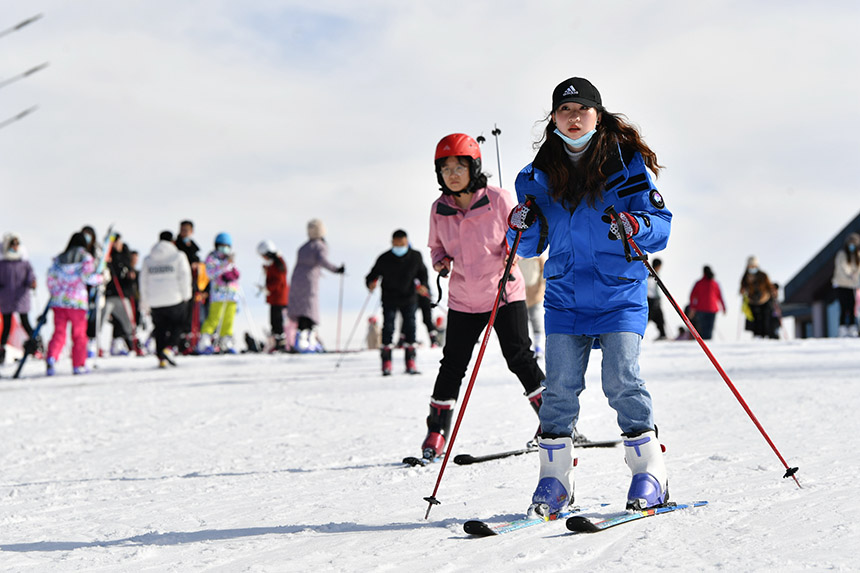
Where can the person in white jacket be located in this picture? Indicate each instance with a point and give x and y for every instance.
(165, 289)
(846, 281)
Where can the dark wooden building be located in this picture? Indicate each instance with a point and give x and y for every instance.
(809, 296)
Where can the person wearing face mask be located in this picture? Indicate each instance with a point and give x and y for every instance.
(404, 278)
(757, 291)
(277, 291)
(185, 243)
(16, 280)
(588, 161)
(223, 297)
(846, 281)
(467, 246)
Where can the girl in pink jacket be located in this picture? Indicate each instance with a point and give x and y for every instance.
(467, 242)
(68, 278)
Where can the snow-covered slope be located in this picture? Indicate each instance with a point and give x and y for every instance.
(289, 463)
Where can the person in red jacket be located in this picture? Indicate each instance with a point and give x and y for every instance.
(705, 301)
(277, 291)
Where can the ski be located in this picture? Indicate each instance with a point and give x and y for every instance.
(414, 462)
(478, 528)
(467, 459)
(583, 524)
(599, 444)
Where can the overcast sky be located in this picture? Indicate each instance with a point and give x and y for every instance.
(253, 117)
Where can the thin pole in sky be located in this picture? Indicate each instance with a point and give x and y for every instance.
(21, 76)
(20, 25)
(21, 115)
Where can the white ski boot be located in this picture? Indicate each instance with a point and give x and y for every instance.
(650, 484)
(227, 346)
(205, 345)
(303, 341)
(554, 491)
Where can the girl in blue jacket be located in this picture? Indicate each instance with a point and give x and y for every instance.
(589, 160)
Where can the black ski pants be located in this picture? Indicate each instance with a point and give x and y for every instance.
(276, 320)
(461, 335)
(655, 315)
(168, 325)
(389, 315)
(7, 326)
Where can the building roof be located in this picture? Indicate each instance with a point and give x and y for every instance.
(813, 282)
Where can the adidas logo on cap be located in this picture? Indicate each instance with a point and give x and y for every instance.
(570, 91)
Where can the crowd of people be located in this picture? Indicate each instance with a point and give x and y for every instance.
(189, 299)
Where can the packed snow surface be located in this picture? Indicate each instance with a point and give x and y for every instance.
(292, 463)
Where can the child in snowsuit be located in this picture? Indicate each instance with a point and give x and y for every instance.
(277, 291)
(467, 240)
(224, 294)
(68, 278)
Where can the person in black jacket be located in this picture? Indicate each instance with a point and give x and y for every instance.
(191, 330)
(404, 277)
(118, 308)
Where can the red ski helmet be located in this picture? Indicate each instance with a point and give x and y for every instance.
(458, 145)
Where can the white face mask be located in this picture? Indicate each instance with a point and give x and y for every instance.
(579, 141)
(224, 249)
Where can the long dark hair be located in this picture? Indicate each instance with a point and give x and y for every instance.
(853, 257)
(78, 240)
(569, 183)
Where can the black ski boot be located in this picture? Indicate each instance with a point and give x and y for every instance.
(438, 426)
(386, 360)
(410, 360)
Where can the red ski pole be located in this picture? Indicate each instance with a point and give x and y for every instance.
(431, 500)
(629, 242)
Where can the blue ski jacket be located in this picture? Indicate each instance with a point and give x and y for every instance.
(591, 289)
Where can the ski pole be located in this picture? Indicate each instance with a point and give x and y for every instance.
(355, 327)
(22, 75)
(129, 314)
(19, 25)
(629, 242)
(431, 500)
(339, 313)
(496, 132)
(18, 116)
(251, 322)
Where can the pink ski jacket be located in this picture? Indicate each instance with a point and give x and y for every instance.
(475, 240)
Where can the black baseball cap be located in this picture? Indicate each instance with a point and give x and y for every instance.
(578, 90)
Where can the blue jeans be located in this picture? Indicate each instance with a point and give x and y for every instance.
(566, 362)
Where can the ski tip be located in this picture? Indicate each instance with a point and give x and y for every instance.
(478, 529)
(464, 459)
(579, 524)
